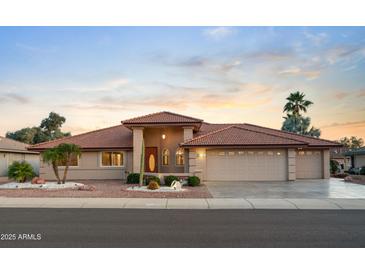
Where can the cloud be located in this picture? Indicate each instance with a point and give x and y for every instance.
(361, 93)
(340, 95)
(219, 32)
(296, 71)
(356, 123)
(340, 53)
(12, 97)
(316, 38)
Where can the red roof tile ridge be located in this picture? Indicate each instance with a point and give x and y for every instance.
(270, 134)
(161, 112)
(239, 127)
(207, 134)
(292, 133)
(69, 137)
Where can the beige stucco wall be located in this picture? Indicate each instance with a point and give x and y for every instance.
(359, 160)
(198, 163)
(292, 164)
(174, 136)
(90, 168)
(6, 158)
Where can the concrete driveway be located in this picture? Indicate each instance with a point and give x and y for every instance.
(309, 189)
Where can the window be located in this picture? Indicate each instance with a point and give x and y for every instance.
(112, 159)
(241, 152)
(301, 153)
(74, 161)
(309, 152)
(165, 157)
(221, 153)
(250, 153)
(278, 153)
(260, 153)
(270, 153)
(180, 157)
(231, 153)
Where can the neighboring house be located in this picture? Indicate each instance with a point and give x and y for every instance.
(182, 145)
(338, 154)
(357, 157)
(11, 151)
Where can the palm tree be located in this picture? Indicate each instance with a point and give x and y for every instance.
(66, 152)
(53, 157)
(296, 103)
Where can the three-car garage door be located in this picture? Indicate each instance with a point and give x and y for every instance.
(309, 164)
(246, 165)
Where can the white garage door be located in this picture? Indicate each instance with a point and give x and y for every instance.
(309, 164)
(246, 165)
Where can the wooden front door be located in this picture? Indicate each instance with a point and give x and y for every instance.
(150, 159)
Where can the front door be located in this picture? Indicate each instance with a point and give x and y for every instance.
(150, 159)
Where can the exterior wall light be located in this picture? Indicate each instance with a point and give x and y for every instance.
(163, 136)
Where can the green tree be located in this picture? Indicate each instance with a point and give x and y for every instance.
(49, 129)
(296, 103)
(67, 151)
(53, 157)
(352, 143)
(300, 125)
(294, 121)
(61, 155)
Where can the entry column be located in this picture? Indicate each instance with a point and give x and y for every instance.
(137, 148)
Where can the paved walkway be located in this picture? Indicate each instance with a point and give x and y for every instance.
(154, 203)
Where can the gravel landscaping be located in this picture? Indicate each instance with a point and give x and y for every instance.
(106, 189)
(46, 186)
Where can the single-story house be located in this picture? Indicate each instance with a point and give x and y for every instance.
(357, 157)
(11, 151)
(182, 145)
(338, 154)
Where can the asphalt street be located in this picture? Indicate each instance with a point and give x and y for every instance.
(41, 227)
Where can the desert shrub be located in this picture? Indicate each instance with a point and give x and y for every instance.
(153, 185)
(362, 171)
(20, 171)
(150, 178)
(169, 179)
(193, 181)
(334, 167)
(133, 178)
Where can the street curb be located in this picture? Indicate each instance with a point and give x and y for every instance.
(172, 203)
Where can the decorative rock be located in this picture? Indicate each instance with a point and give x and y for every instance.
(34, 180)
(86, 188)
(40, 181)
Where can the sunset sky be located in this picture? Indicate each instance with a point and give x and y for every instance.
(98, 76)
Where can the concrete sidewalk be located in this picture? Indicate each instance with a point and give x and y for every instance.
(156, 203)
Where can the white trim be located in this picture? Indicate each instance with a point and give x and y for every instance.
(114, 151)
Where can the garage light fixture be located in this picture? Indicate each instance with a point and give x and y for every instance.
(163, 136)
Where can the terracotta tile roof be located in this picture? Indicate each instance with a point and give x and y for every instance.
(9, 145)
(208, 134)
(163, 117)
(112, 137)
(312, 141)
(236, 135)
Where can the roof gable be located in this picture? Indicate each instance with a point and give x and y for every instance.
(163, 117)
